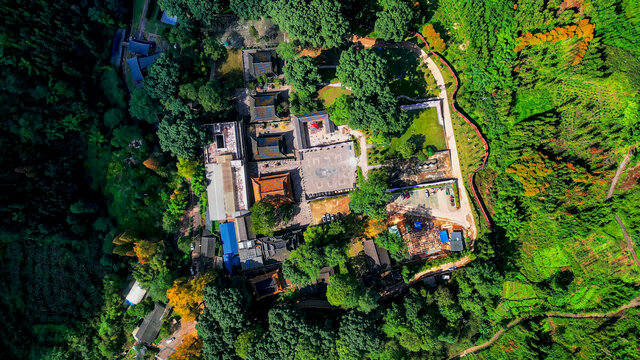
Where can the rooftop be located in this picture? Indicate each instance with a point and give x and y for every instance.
(276, 186)
(147, 332)
(263, 107)
(141, 47)
(261, 63)
(225, 140)
(457, 242)
(270, 147)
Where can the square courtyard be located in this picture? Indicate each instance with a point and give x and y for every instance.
(328, 170)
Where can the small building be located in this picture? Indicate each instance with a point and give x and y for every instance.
(309, 126)
(147, 61)
(444, 236)
(263, 107)
(148, 331)
(136, 294)
(203, 256)
(457, 241)
(270, 147)
(224, 170)
(230, 257)
(262, 63)
(141, 47)
(116, 47)
(168, 19)
(277, 187)
(134, 67)
(325, 273)
(377, 257)
(268, 284)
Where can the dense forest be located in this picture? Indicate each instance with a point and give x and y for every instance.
(97, 176)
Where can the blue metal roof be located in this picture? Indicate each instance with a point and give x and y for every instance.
(444, 236)
(139, 47)
(229, 246)
(168, 19)
(147, 61)
(134, 66)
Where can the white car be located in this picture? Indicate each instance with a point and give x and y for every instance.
(171, 340)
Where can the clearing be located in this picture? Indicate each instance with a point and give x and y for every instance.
(329, 94)
(231, 69)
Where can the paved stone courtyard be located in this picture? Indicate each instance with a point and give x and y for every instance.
(329, 170)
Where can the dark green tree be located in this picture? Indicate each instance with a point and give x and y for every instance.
(319, 23)
(364, 71)
(345, 291)
(395, 21)
(288, 50)
(359, 335)
(379, 114)
(340, 110)
(142, 106)
(181, 136)
(302, 74)
(213, 97)
(248, 9)
(371, 196)
(264, 218)
(394, 244)
(164, 77)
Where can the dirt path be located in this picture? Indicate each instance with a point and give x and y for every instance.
(143, 20)
(632, 304)
(627, 238)
(363, 160)
(616, 177)
(612, 188)
(459, 263)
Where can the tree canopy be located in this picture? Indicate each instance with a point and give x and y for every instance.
(364, 71)
(395, 20)
(371, 196)
(347, 292)
(319, 23)
(302, 74)
(181, 136)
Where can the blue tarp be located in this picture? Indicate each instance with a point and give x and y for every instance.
(169, 20)
(444, 236)
(229, 246)
(147, 61)
(140, 47)
(134, 66)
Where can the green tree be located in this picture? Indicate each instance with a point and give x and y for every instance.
(447, 305)
(371, 196)
(181, 136)
(212, 97)
(395, 21)
(302, 74)
(364, 71)
(407, 149)
(163, 77)
(340, 110)
(379, 114)
(358, 336)
(288, 50)
(345, 291)
(264, 218)
(199, 9)
(213, 49)
(319, 23)
(142, 106)
(246, 338)
(394, 243)
(248, 9)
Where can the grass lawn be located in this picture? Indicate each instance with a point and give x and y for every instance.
(329, 94)
(153, 25)
(231, 68)
(425, 129)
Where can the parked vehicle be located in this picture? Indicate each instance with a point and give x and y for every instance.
(453, 268)
(426, 193)
(446, 277)
(171, 340)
